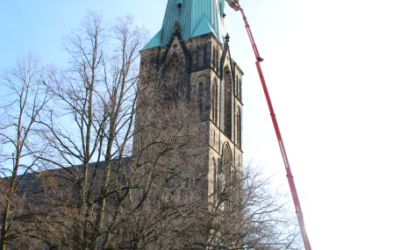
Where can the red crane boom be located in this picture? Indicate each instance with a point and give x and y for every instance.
(236, 6)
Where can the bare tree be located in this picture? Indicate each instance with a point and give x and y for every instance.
(23, 101)
(111, 194)
(90, 125)
(125, 161)
(245, 214)
(168, 158)
(255, 216)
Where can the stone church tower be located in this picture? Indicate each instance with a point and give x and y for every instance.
(194, 35)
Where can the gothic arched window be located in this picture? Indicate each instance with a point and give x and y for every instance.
(214, 102)
(217, 60)
(201, 98)
(205, 54)
(215, 174)
(198, 57)
(223, 176)
(237, 86)
(214, 57)
(220, 186)
(239, 128)
(228, 104)
(227, 159)
(173, 77)
(240, 90)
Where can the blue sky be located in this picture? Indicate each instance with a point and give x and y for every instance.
(332, 68)
(39, 26)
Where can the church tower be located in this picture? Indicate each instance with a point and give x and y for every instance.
(194, 36)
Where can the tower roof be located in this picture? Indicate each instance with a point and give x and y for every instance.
(196, 18)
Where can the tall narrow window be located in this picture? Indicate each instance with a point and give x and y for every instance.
(217, 60)
(205, 55)
(229, 116)
(215, 189)
(214, 56)
(212, 102)
(215, 104)
(224, 173)
(201, 98)
(198, 57)
(237, 86)
(240, 90)
(173, 78)
(239, 129)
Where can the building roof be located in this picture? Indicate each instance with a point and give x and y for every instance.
(196, 18)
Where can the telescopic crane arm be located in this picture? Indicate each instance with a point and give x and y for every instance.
(236, 6)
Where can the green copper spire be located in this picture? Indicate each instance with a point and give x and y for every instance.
(196, 18)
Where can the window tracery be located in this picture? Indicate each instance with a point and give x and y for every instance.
(173, 78)
(228, 103)
(223, 176)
